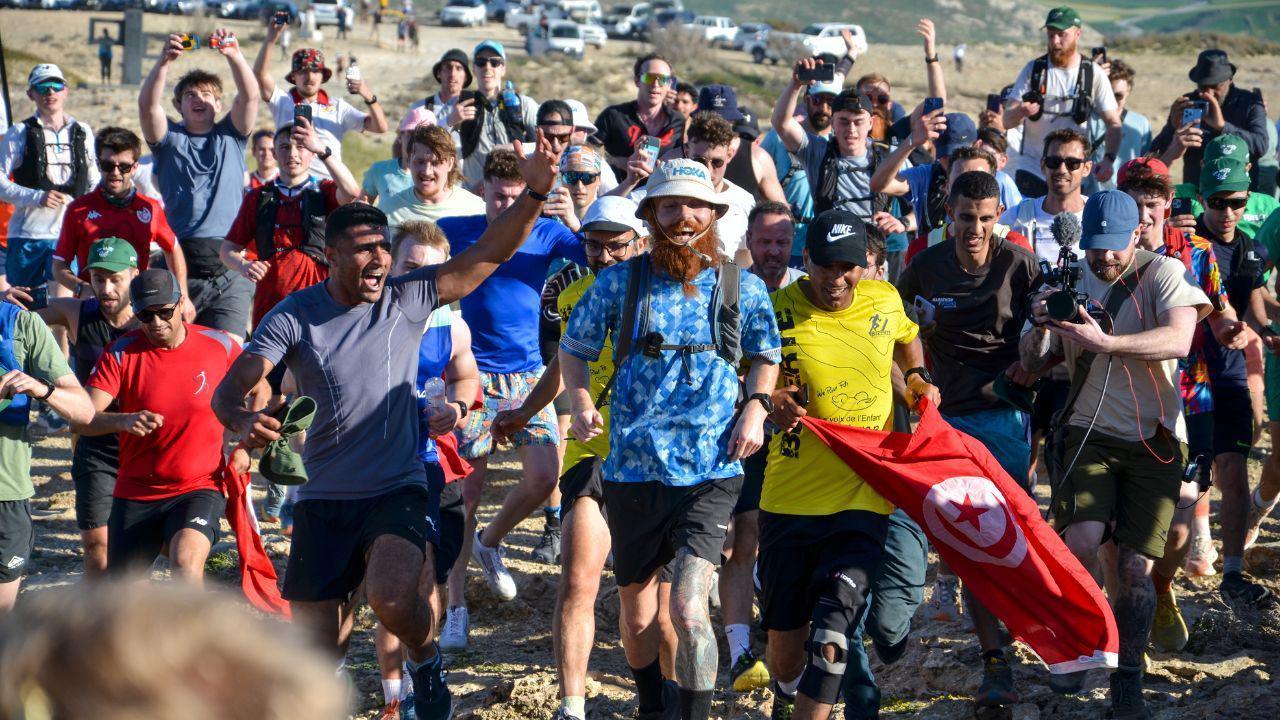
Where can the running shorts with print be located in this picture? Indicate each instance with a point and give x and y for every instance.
(137, 529)
(505, 391)
(1232, 420)
(1133, 483)
(332, 539)
(453, 520)
(581, 480)
(29, 262)
(651, 523)
(17, 539)
(95, 462)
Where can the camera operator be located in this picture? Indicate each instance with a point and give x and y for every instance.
(1060, 90)
(1118, 456)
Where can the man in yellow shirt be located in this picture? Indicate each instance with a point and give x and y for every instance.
(822, 529)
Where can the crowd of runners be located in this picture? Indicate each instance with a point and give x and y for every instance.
(644, 300)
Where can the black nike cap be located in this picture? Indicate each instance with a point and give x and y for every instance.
(152, 287)
(837, 236)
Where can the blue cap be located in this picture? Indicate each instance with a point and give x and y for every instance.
(1110, 217)
(960, 132)
(492, 45)
(721, 100)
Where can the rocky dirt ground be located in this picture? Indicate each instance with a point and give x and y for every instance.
(1227, 672)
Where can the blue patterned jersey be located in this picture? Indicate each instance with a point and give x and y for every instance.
(671, 417)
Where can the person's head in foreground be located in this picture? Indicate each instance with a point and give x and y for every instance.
(681, 209)
(611, 232)
(1109, 231)
(835, 256)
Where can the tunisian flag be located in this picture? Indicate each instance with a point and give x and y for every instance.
(989, 531)
(257, 574)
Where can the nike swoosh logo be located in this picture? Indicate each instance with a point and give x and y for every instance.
(831, 239)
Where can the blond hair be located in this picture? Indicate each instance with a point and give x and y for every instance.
(420, 232)
(132, 649)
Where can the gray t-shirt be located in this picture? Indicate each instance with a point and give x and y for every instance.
(359, 363)
(201, 178)
(853, 176)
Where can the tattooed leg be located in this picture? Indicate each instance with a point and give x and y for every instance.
(1135, 605)
(697, 658)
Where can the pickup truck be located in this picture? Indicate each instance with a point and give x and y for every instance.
(817, 39)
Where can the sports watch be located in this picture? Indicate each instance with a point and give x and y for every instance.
(924, 374)
(764, 399)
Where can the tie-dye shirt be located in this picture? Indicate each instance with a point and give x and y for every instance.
(1197, 396)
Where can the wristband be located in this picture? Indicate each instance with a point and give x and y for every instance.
(328, 152)
(47, 392)
(930, 60)
(535, 194)
(924, 375)
(372, 101)
(462, 408)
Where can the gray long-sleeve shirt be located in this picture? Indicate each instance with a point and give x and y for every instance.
(1244, 116)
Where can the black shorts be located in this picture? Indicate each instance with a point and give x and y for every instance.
(275, 378)
(1232, 420)
(332, 538)
(1200, 440)
(651, 522)
(138, 529)
(94, 466)
(17, 539)
(453, 521)
(1049, 400)
(561, 405)
(800, 554)
(752, 480)
(581, 480)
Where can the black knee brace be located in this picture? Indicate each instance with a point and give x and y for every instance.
(835, 617)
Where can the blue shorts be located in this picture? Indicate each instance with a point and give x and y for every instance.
(1006, 434)
(28, 262)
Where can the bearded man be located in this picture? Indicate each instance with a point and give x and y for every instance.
(671, 488)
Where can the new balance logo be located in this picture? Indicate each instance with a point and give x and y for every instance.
(202, 522)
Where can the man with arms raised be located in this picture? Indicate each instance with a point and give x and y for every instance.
(352, 343)
(671, 488)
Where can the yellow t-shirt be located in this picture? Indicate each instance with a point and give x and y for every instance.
(601, 370)
(845, 359)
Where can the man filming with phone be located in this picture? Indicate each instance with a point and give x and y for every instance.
(1216, 107)
(1118, 448)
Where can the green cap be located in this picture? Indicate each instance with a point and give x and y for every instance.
(1231, 147)
(1062, 18)
(1223, 175)
(112, 254)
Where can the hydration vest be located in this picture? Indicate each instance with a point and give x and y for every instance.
(313, 220)
(1082, 104)
(18, 411)
(33, 172)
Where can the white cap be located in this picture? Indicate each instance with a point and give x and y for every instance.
(683, 178)
(581, 120)
(613, 213)
(43, 72)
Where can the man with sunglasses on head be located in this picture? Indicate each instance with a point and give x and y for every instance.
(46, 161)
(153, 387)
(622, 127)
(495, 125)
(115, 209)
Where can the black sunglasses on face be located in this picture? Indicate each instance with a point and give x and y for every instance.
(1053, 162)
(165, 313)
(490, 62)
(124, 168)
(1224, 203)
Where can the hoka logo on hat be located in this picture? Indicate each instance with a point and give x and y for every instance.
(1221, 173)
(693, 169)
(1229, 148)
(104, 249)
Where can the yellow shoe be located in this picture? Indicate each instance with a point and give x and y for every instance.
(1169, 632)
(749, 673)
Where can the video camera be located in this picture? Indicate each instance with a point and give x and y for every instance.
(1064, 276)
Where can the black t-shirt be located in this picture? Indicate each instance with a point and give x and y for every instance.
(620, 128)
(978, 319)
(1242, 272)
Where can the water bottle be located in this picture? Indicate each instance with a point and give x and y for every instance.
(433, 391)
(353, 71)
(510, 105)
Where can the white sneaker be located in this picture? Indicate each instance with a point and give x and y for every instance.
(457, 626)
(495, 572)
(1201, 557)
(944, 605)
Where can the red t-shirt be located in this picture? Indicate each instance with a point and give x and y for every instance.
(184, 453)
(92, 217)
(290, 270)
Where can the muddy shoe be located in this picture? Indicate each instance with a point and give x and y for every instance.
(784, 705)
(1169, 632)
(1256, 516)
(1126, 696)
(997, 682)
(1239, 590)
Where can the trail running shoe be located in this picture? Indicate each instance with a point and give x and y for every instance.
(457, 628)
(784, 705)
(1126, 696)
(749, 673)
(1256, 516)
(548, 549)
(431, 699)
(496, 575)
(391, 711)
(997, 683)
(1169, 631)
(1201, 557)
(1237, 589)
(945, 603)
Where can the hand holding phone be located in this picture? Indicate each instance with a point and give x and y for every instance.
(1194, 114)
(1180, 206)
(652, 146)
(823, 73)
(302, 110)
(994, 103)
(931, 104)
(1100, 55)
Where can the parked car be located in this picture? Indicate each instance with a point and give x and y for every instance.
(468, 13)
(716, 30)
(328, 12)
(594, 35)
(664, 19)
(559, 37)
(746, 32)
(522, 16)
(626, 21)
(817, 39)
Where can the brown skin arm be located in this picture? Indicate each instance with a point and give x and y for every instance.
(246, 376)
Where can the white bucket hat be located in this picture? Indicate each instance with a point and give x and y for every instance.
(682, 178)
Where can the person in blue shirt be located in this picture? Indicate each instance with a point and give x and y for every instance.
(677, 431)
(503, 315)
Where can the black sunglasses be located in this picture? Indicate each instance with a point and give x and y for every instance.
(165, 313)
(577, 176)
(716, 163)
(124, 168)
(1053, 162)
(1224, 203)
(490, 62)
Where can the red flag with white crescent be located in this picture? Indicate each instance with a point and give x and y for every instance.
(989, 531)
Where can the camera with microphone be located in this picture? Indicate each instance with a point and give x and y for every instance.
(1063, 277)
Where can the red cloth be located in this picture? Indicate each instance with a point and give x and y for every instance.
(91, 217)
(258, 577)
(989, 531)
(454, 465)
(184, 453)
(290, 270)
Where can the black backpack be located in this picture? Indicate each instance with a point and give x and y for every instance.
(1082, 106)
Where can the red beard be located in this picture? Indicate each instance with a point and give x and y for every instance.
(680, 261)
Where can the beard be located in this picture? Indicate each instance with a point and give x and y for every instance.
(679, 261)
